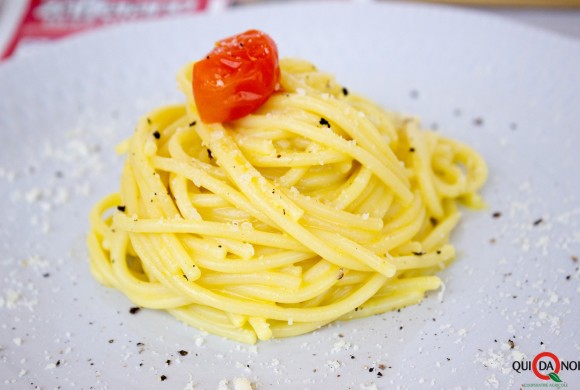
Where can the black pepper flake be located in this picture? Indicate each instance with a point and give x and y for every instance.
(46, 275)
(371, 369)
(209, 154)
(140, 344)
(568, 277)
(192, 123)
(448, 359)
(185, 276)
(183, 352)
(324, 122)
(168, 362)
(149, 120)
(156, 134)
(121, 208)
(352, 357)
(497, 214)
(419, 253)
(278, 155)
(111, 341)
(344, 91)
(541, 343)
(538, 221)
(412, 150)
(478, 121)
(134, 310)
(163, 377)
(511, 344)
(57, 363)
(433, 221)
(379, 374)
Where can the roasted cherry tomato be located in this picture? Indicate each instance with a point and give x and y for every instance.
(236, 77)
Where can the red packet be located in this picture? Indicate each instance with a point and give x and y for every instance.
(53, 19)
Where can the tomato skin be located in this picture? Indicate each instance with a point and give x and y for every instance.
(236, 77)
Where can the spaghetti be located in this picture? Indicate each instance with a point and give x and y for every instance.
(320, 206)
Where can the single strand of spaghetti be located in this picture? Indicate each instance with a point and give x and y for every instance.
(178, 186)
(392, 239)
(333, 214)
(376, 204)
(473, 162)
(321, 183)
(215, 229)
(421, 161)
(237, 320)
(99, 261)
(207, 200)
(269, 278)
(405, 215)
(297, 159)
(358, 127)
(352, 188)
(255, 145)
(423, 261)
(384, 304)
(318, 269)
(292, 176)
(244, 250)
(352, 233)
(384, 120)
(129, 191)
(283, 329)
(422, 283)
(225, 214)
(358, 251)
(407, 248)
(97, 211)
(326, 137)
(261, 327)
(352, 277)
(441, 231)
(262, 263)
(191, 317)
(207, 245)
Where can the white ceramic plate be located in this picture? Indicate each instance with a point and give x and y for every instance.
(511, 92)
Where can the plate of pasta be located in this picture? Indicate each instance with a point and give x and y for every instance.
(238, 201)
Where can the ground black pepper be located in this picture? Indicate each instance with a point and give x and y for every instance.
(156, 134)
(324, 122)
(134, 310)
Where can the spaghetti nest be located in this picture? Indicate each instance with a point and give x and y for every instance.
(318, 207)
